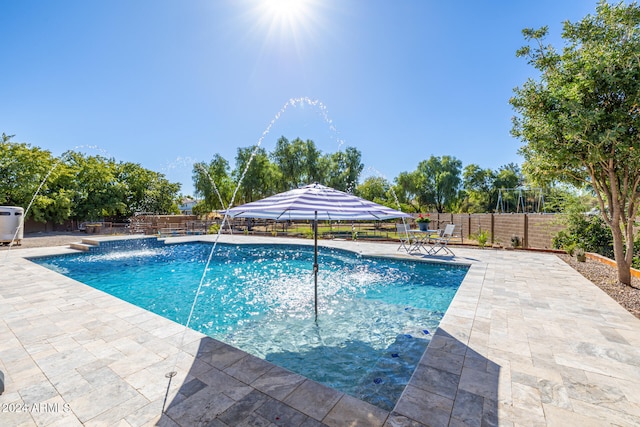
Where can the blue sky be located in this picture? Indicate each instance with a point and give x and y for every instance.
(166, 83)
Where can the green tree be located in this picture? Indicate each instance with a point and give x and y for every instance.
(256, 174)
(84, 188)
(478, 185)
(213, 184)
(580, 121)
(30, 173)
(584, 231)
(377, 190)
(146, 190)
(161, 195)
(97, 192)
(439, 179)
(317, 164)
(508, 176)
(406, 188)
(344, 169)
(298, 162)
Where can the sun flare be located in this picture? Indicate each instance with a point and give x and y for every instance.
(288, 28)
(290, 10)
(286, 16)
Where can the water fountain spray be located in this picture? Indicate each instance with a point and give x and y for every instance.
(292, 102)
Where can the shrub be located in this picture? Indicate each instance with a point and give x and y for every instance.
(570, 248)
(588, 232)
(482, 238)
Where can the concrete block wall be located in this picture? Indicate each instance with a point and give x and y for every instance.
(542, 229)
(533, 230)
(508, 225)
(479, 222)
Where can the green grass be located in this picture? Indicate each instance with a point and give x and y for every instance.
(326, 230)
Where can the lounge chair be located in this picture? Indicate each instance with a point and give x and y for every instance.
(441, 243)
(404, 236)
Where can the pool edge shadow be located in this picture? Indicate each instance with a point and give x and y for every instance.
(228, 385)
(451, 382)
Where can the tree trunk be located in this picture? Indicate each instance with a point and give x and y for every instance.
(624, 266)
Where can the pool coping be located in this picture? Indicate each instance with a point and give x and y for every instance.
(488, 363)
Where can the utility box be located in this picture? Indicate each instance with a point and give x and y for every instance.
(11, 225)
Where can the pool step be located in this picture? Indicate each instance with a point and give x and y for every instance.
(85, 245)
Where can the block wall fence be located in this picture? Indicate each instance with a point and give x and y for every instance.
(535, 231)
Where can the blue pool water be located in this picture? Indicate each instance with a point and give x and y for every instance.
(375, 315)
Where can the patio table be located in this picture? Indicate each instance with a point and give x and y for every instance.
(423, 239)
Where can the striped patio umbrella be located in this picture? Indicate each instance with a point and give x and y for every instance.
(315, 202)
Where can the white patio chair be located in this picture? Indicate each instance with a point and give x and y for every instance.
(441, 243)
(404, 236)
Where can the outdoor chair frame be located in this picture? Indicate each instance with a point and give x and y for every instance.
(441, 243)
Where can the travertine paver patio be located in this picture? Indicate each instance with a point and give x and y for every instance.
(527, 341)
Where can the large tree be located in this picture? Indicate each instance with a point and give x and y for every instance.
(406, 188)
(32, 178)
(377, 189)
(213, 183)
(255, 174)
(299, 163)
(344, 169)
(478, 185)
(97, 191)
(580, 119)
(439, 182)
(146, 190)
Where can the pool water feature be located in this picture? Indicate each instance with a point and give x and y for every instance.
(375, 320)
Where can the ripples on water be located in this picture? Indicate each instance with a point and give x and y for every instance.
(375, 319)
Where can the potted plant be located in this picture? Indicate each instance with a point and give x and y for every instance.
(423, 221)
(580, 255)
(515, 241)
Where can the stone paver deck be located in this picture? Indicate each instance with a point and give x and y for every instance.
(526, 341)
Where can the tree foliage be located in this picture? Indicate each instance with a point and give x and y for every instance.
(344, 169)
(258, 173)
(378, 190)
(212, 184)
(580, 120)
(33, 177)
(482, 186)
(146, 190)
(78, 186)
(438, 180)
(299, 163)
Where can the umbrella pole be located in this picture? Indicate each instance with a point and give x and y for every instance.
(315, 263)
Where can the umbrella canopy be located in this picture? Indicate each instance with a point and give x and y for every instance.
(314, 202)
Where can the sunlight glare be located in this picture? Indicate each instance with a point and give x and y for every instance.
(290, 10)
(287, 18)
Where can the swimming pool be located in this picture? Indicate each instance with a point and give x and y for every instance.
(375, 319)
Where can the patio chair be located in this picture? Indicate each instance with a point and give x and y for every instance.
(441, 243)
(404, 236)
